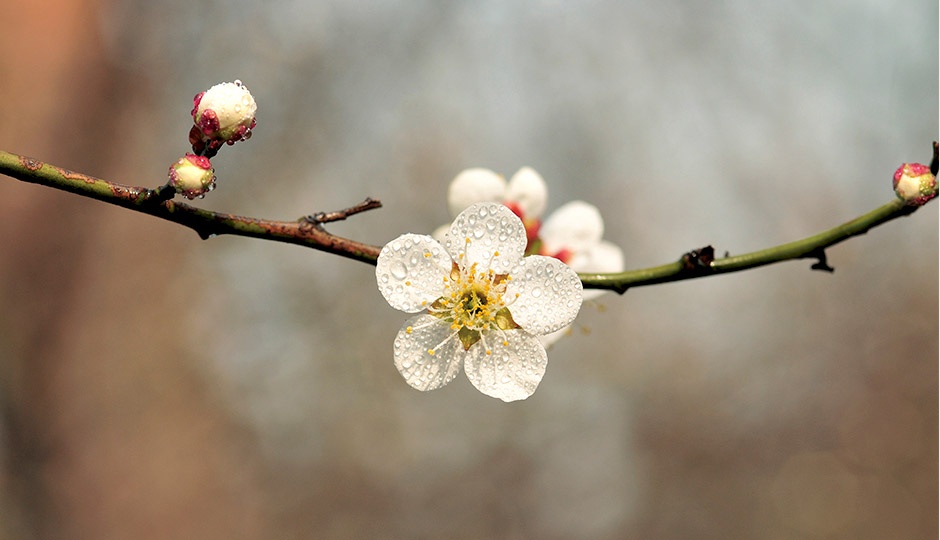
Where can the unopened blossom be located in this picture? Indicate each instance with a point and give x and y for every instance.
(915, 184)
(224, 113)
(481, 304)
(573, 233)
(192, 176)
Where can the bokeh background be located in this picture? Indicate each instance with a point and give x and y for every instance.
(154, 385)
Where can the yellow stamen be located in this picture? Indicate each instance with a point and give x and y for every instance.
(408, 330)
(431, 352)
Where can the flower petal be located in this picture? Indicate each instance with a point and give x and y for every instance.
(410, 271)
(421, 369)
(488, 234)
(603, 257)
(576, 226)
(549, 294)
(440, 233)
(527, 189)
(473, 186)
(549, 339)
(512, 370)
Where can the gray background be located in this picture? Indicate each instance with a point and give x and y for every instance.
(157, 386)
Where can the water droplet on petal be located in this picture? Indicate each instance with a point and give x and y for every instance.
(536, 292)
(399, 270)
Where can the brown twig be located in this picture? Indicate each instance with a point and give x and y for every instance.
(206, 223)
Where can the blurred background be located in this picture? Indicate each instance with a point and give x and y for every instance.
(154, 385)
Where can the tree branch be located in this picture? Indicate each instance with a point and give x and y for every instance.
(305, 231)
(812, 247)
(308, 231)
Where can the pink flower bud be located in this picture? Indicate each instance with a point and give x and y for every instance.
(192, 176)
(914, 184)
(224, 113)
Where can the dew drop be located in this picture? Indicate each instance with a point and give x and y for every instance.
(384, 278)
(491, 224)
(536, 292)
(484, 210)
(399, 270)
(478, 232)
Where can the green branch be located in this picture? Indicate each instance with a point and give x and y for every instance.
(308, 231)
(693, 266)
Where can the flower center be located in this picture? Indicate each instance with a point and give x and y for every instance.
(473, 302)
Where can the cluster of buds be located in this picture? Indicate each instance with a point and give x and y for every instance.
(915, 184)
(223, 114)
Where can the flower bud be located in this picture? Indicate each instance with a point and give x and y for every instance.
(915, 184)
(224, 113)
(192, 176)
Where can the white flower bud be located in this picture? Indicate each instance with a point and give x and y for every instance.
(192, 176)
(224, 113)
(915, 184)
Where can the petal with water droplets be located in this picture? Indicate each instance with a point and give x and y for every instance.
(410, 272)
(549, 294)
(420, 368)
(513, 367)
(488, 234)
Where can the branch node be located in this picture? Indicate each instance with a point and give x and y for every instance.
(698, 259)
(161, 194)
(821, 263)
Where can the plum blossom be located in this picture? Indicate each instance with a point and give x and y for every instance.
(481, 303)
(573, 233)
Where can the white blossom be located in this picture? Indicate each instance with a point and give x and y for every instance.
(482, 303)
(573, 233)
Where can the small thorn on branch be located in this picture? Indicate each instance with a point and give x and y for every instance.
(316, 220)
(821, 263)
(698, 259)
